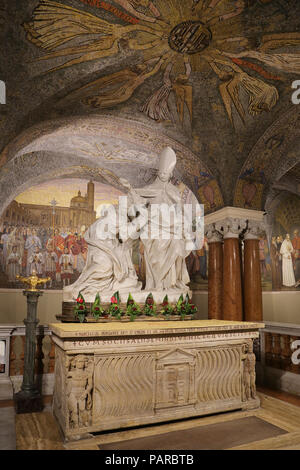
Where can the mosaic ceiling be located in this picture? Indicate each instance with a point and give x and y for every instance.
(99, 87)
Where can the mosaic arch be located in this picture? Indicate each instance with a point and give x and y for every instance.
(274, 154)
(132, 153)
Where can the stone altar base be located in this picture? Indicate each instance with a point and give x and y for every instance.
(114, 375)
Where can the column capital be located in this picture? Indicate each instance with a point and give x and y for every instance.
(254, 230)
(231, 227)
(212, 235)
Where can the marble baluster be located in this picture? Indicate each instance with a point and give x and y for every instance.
(215, 273)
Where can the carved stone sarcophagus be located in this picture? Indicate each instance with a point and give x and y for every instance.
(110, 376)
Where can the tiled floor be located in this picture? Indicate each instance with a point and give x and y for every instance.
(8, 425)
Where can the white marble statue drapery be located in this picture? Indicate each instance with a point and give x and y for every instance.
(108, 268)
(164, 258)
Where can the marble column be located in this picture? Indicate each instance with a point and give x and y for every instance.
(252, 275)
(215, 273)
(231, 229)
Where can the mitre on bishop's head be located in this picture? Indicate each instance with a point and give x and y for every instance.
(167, 160)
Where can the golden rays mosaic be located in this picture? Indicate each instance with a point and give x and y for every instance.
(173, 39)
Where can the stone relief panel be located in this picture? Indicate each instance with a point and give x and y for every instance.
(249, 375)
(175, 379)
(79, 390)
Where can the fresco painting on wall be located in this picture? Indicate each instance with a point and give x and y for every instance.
(285, 245)
(48, 236)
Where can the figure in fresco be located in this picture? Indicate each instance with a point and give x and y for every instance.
(197, 262)
(14, 264)
(66, 266)
(120, 86)
(50, 261)
(286, 250)
(50, 18)
(261, 95)
(159, 105)
(32, 243)
(36, 262)
(2, 263)
(131, 5)
(16, 239)
(262, 257)
(275, 265)
(296, 254)
(58, 242)
(4, 243)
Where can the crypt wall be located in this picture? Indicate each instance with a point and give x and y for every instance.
(100, 102)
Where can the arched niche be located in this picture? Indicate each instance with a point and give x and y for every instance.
(274, 154)
(104, 147)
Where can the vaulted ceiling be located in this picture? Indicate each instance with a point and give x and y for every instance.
(97, 88)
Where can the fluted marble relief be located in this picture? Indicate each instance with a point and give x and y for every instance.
(129, 376)
(214, 380)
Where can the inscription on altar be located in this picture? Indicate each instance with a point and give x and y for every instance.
(155, 339)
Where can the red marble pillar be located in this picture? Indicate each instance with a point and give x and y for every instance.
(252, 281)
(252, 275)
(232, 280)
(215, 275)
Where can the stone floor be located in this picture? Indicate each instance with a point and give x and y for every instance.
(7, 428)
(39, 431)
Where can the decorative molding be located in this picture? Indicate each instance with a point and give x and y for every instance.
(235, 213)
(212, 235)
(255, 230)
(231, 227)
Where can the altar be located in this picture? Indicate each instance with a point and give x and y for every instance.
(117, 375)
